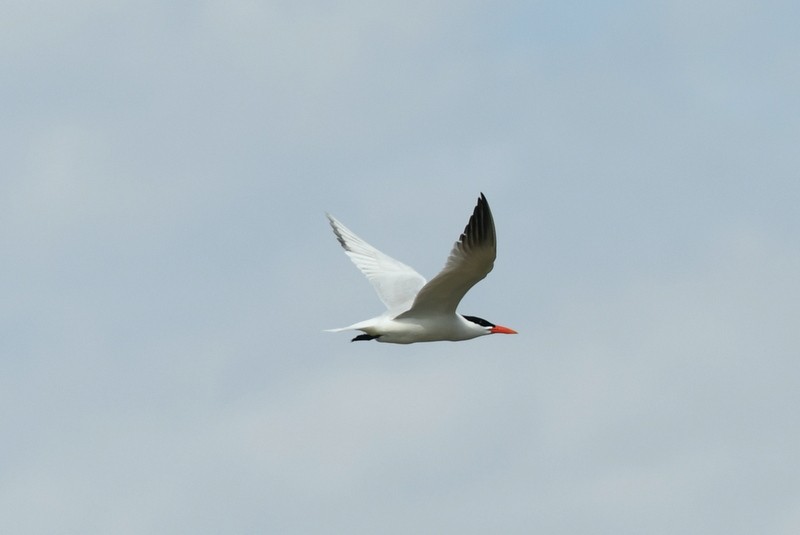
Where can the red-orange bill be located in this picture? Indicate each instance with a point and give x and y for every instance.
(499, 329)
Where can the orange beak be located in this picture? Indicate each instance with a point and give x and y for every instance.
(499, 329)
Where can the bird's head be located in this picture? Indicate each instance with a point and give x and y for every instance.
(489, 327)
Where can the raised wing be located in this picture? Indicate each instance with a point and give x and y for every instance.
(471, 259)
(395, 283)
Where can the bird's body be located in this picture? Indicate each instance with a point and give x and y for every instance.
(399, 330)
(418, 310)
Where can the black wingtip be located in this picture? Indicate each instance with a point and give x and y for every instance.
(336, 232)
(480, 228)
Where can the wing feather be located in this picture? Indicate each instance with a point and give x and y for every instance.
(395, 283)
(470, 260)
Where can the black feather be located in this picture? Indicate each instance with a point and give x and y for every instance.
(361, 337)
(480, 321)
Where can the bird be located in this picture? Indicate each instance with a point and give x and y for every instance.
(425, 311)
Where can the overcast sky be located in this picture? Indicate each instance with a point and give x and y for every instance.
(168, 270)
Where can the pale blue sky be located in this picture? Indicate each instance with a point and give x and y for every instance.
(168, 268)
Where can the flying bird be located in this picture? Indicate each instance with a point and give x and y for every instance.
(425, 311)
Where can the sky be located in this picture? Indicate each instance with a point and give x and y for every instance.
(168, 270)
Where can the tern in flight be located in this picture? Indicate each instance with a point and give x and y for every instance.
(420, 310)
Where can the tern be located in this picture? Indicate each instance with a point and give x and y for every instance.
(425, 311)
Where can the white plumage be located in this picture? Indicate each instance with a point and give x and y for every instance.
(420, 311)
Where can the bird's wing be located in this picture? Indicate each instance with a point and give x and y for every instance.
(470, 261)
(395, 283)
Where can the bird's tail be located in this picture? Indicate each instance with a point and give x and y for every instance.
(340, 329)
(360, 326)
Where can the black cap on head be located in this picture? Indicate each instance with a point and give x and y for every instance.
(480, 321)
